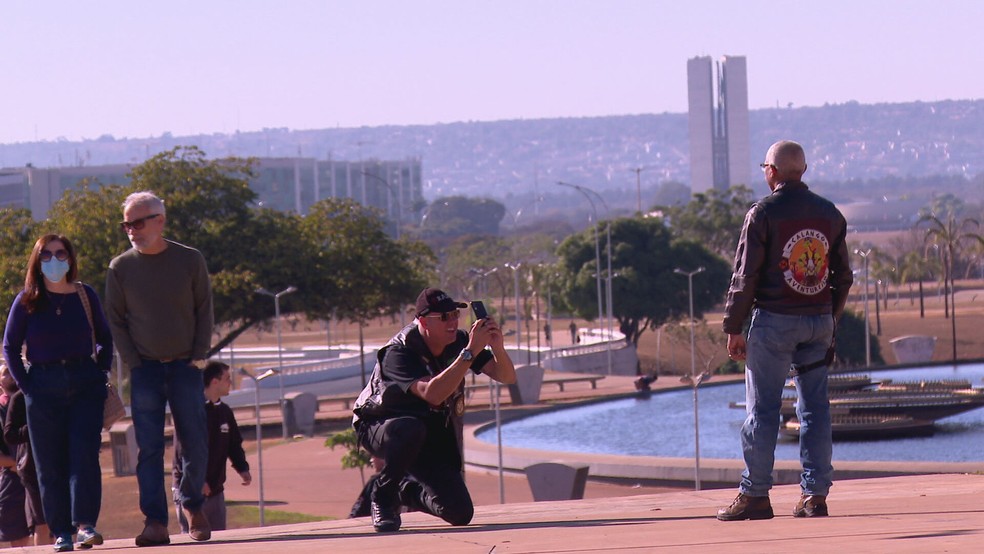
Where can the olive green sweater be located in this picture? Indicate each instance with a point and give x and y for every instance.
(159, 306)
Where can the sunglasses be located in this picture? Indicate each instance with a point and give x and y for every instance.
(137, 224)
(764, 166)
(61, 255)
(447, 315)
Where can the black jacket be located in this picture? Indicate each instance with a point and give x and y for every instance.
(402, 361)
(224, 443)
(792, 258)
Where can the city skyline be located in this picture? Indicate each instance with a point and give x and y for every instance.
(83, 70)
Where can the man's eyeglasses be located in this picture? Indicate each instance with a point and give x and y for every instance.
(447, 315)
(764, 166)
(61, 255)
(137, 224)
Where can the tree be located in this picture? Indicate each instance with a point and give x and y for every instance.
(463, 257)
(916, 266)
(646, 292)
(89, 216)
(359, 271)
(453, 216)
(948, 234)
(713, 218)
(354, 455)
(17, 237)
(849, 344)
(672, 193)
(210, 207)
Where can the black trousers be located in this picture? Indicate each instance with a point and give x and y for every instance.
(423, 466)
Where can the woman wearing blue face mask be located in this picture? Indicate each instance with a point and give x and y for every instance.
(65, 386)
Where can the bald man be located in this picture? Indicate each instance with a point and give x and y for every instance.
(792, 274)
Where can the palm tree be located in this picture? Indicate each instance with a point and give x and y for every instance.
(918, 267)
(948, 235)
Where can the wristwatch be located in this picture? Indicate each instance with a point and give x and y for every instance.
(466, 355)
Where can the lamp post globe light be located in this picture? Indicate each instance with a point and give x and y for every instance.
(280, 349)
(259, 433)
(693, 379)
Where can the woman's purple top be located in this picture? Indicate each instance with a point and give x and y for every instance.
(52, 338)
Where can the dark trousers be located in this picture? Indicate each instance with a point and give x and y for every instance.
(423, 467)
(64, 417)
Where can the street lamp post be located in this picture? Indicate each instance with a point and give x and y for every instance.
(601, 314)
(259, 432)
(693, 378)
(399, 201)
(867, 330)
(515, 269)
(280, 349)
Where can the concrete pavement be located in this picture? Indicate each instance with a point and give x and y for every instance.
(919, 513)
(938, 513)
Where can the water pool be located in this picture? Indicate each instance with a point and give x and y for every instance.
(662, 424)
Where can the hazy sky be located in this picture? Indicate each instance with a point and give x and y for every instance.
(137, 68)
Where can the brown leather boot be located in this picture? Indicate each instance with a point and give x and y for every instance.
(811, 505)
(747, 507)
(154, 534)
(198, 526)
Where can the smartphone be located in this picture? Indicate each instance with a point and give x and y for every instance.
(478, 307)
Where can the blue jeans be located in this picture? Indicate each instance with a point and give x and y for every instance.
(153, 385)
(775, 342)
(64, 417)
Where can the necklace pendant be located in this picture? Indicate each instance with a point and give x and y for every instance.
(57, 311)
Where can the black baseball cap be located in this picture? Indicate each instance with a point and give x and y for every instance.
(437, 301)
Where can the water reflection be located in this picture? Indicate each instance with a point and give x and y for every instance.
(662, 425)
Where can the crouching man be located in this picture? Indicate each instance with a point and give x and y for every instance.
(409, 413)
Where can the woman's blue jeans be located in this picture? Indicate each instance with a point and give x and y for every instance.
(775, 342)
(64, 417)
(154, 385)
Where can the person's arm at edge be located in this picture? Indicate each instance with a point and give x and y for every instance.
(204, 315)
(116, 318)
(237, 456)
(841, 277)
(749, 258)
(13, 341)
(15, 426)
(104, 337)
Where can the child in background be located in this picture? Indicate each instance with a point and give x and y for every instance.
(224, 443)
(13, 520)
(16, 435)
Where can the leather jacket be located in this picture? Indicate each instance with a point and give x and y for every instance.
(791, 259)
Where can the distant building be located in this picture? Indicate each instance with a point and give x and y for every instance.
(285, 184)
(718, 123)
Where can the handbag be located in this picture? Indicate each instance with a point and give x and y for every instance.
(113, 408)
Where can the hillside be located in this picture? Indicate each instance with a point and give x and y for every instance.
(879, 146)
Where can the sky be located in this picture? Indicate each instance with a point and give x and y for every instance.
(79, 70)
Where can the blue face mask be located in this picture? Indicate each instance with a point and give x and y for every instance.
(54, 269)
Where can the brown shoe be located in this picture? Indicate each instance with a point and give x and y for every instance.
(812, 505)
(154, 534)
(198, 526)
(747, 507)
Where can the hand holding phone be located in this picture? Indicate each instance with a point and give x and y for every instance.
(478, 308)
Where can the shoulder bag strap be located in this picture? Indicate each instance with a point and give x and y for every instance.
(88, 314)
